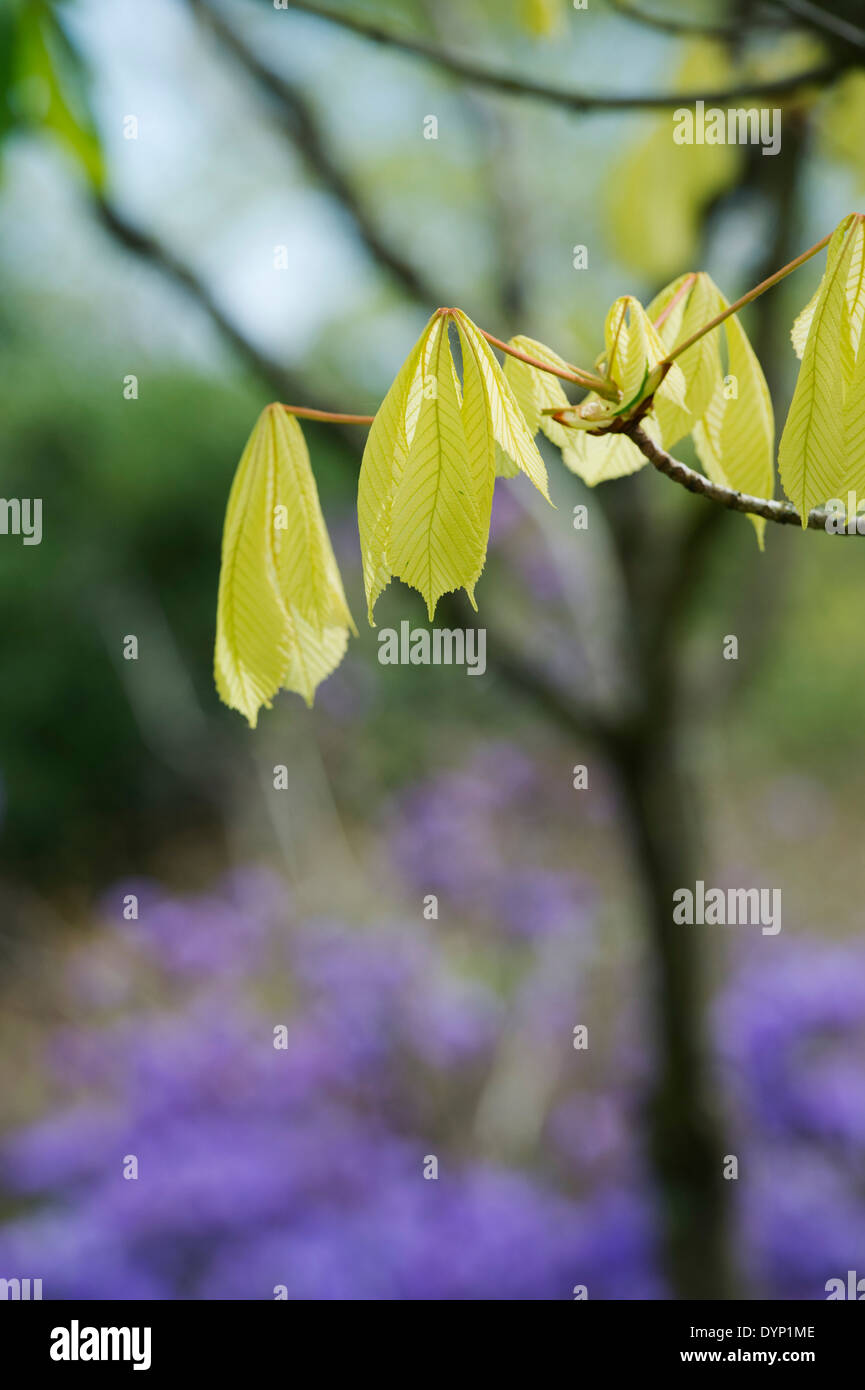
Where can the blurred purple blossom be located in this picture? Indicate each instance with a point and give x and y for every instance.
(302, 1165)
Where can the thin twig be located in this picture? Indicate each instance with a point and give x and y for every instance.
(690, 28)
(331, 417)
(150, 248)
(753, 294)
(513, 85)
(306, 134)
(829, 25)
(585, 379)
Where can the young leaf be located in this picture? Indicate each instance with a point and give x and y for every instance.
(510, 429)
(534, 390)
(633, 349)
(281, 619)
(802, 322)
(854, 374)
(437, 537)
(811, 456)
(599, 458)
(735, 439)
(382, 465)
(538, 391)
(480, 440)
(678, 311)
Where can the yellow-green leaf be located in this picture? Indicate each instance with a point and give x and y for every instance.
(282, 619)
(735, 439)
(535, 390)
(382, 464)
(597, 458)
(811, 456)
(802, 322)
(480, 439)
(678, 311)
(437, 538)
(510, 429)
(854, 382)
(633, 349)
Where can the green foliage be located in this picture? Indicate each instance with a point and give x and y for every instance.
(429, 467)
(658, 191)
(450, 425)
(44, 86)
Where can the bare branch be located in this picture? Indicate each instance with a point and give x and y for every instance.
(304, 130)
(513, 85)
(829, 25)
(784, 513)
(148, 246)
(689, 28)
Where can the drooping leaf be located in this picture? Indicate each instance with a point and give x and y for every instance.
(678, 312)
(802, 322)
(477, 419)
(430, 464)
(602, 457)
(854, 370)
(535, 390)
(811, 456)
(735, 438)
(510, 429)
(437, 538)
(381, 467)
(282, 620)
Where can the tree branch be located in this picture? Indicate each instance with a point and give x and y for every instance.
(828, 25)
(687, 28)
(148, 246)
(303, 129)
(513, 85)
(784, 513)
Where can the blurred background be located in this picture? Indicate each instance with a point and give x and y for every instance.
(234, 203)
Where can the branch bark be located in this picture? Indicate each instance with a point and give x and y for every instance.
(784, 513)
